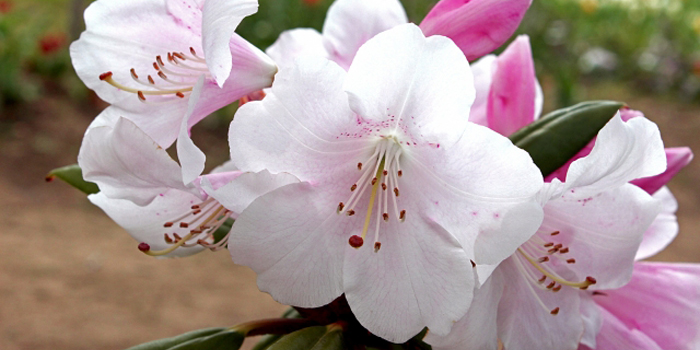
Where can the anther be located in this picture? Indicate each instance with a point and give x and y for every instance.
(105, 76)
(591, 280)
(564, 251)
(385, 172)
(180, 56)
(402, 215)
(557, 288)
(551, 285)
(374, 181)
(544, 259)
(168, 224)
(359, 166)
(184, 225)
(383, 186)
(400, 173)
(177, 237)
(554, 233)
(377, 246)
(351, 212)
(353, 187)
(473, 263)
(571, 261)
(180, 94)
(195, 232)
(156, 66)
(396, 191)
(341, 205)
(558, 246)
(547, 245)
(150, 80)
(195, 206)
(554, 311)
(141, 95)
(167, 238)
(144, 247)
(553, 250)
(160, 60)
(541, 280)
(599, 293)
(192, 51)
(356, 241)
(133, 73)
(386, 216)
(196, 212)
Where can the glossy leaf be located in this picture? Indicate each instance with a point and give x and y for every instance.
(303, 339)
(266, 341)
(555, 138)
(224, 340)
(333, 340)
(73, 175)
(169, 343)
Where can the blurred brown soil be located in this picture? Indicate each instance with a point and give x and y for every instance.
(72, 279)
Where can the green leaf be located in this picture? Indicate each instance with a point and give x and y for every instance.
(555, 138)
(266, 341)
(224, 340)
(332, 340)
(303, 339)
(223, 230)
(73, 175)
(169, 343)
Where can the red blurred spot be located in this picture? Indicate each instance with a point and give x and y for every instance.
(51, 43)
(312, 2)
(5, 6)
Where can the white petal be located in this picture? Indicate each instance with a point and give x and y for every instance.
(483, 76)
(126, 163)
(663, 230)
(295, 43)
(220, 18)
(237, 194)
(294, 243)
(145, 223)
(602, 232)
(421, 277)
(350, 23)
(623, 151)
(425, 83)
(192, 159)
(477, 329)
(592, 321)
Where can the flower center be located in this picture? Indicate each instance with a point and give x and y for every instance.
(175, 79)
(203, 219)
(540, 256)
(381, 170)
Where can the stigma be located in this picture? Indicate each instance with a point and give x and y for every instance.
(173, 77)
(537, 257)
(202, 220)
(379, 175)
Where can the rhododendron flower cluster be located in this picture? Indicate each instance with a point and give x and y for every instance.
(371, 167)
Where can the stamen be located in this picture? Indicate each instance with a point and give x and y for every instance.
(581, 285)
(554, 311)
(377, 246)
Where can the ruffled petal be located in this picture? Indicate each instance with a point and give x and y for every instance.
(511, 102)
(476, 26)
(663, 230)
(421, 277)
(600, 231)
(350, 23)
(295, 43)
(126, 163)
(482, 190)
(525, 320)
(220, 18)
(145, 223)
(294, 244)
(677, 158)
(192, 159)
(623, 151)
(239, 191)
(615, 335)
(592, 321)
(661, 302)
(477, 329)
(426, 84)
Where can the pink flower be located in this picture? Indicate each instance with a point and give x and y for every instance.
(398, 190)
(145, 56)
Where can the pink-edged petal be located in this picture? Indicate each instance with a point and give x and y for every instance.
(677, 158)
(238, 191)
(278, 133)
(615, 335)
(592, 321)
(623, 151)
(511, 102)
(421, 277)
(192, 159)
(350, 23)
(425, 83)
(145, 223)
(664, 228)
(661, 302)
(125, 163)
(294, 43)
(483, 76)
(476, 26)
(187, 12)
(601, 231)
(481, 189)
(525, 319)
(298, 253)
(477, 329)
(220, 18)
